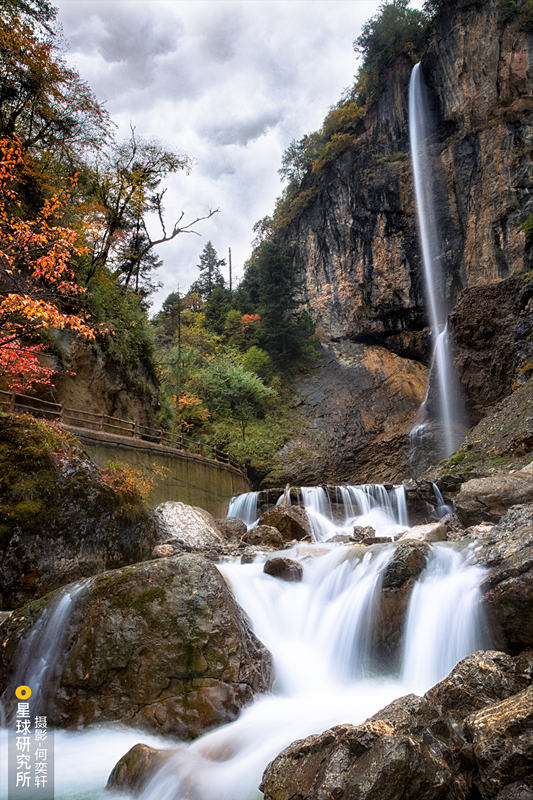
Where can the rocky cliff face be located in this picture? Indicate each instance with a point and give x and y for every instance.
(355, 247)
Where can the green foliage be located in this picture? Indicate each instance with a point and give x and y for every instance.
(527, 227)
(395, 30)
(232, 392)
(259, 362)
(216, 309)
(521, 10)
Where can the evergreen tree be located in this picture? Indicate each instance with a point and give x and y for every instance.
(210, 276)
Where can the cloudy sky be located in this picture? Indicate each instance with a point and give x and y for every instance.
(230, 83)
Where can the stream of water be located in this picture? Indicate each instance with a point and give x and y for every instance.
(321, 633)
(449, 411)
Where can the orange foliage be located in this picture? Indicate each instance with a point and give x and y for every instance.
(35, 276)
(190, 409)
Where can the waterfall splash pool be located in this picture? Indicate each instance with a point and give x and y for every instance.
(321, 633)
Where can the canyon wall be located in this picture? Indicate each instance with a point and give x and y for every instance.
(355, 248)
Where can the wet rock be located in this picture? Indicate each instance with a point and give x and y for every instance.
(160, 645)
(376, 540)
(187, 528)
(163, 551)
(408, 561)
(290, 521)
(265, 536)
(433, 532)
(481, 679)
(284, 568)
(361, 532)
(231, 529)
(502, 743)
(135, 769)
(371, 761)
(507, 552)
(487, 499)
(473, 532)
(342, 538)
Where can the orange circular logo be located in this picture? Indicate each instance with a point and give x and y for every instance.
(23, 692)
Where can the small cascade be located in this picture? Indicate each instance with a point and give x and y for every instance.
(244, 507)
(39, 653)
(442, 507)
(448, 412)
(320, 633)
(444, 622)
(317, 503)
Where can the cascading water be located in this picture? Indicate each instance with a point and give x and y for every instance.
(320, 633)
(449, 411)
(39, 653)
(244, 507)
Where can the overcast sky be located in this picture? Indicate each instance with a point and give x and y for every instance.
(230, 83)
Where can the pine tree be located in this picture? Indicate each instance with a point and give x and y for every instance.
(210, 275)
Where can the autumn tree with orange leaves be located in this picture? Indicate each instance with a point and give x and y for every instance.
(37, 287)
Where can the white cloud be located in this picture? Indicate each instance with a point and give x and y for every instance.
(229, 83)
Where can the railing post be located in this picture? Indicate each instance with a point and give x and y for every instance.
(181, 441)
(61, 414)
(102, 422)
(134, 430)
(200, 449)
(160, 435)
(215, 452)
(12, 403)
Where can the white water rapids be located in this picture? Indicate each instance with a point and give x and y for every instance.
(321, 635)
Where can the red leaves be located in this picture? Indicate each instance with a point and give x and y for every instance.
(35, 274)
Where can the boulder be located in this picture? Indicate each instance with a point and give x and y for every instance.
(284, 568)
(405, 565)
(487, 499)
(187, 528)
(479, 680)
(291, 521)
(408, 561)
(433, 532)
(342, 538)
(361, 532)
(502, 747)
(265, 536)
(423, 747)
(507, 552)
(371, 761)
(231, 529)
(136, 768)
(160, 645)
(163, 551)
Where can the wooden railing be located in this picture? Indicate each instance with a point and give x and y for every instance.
(89, 421)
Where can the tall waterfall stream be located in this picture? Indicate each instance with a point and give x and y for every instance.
(319, 632)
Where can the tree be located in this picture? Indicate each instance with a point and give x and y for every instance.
(395, 29)
(126, 191)
(231, 391)
(37, 287)
(42, 101)
(210, 276)
(216, 309)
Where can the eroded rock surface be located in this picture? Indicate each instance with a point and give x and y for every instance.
(487, 499)
(160, 645)
(291, 521)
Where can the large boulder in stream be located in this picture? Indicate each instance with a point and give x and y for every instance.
(408, 560)
(423, 747)
(161, 645)
(291, 521)
(188, 528)
(487, 499)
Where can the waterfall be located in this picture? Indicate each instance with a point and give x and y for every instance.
(442, 507)
(444, 623)
(449, 412)
(39, 653)
(244, 507)
(320, 634)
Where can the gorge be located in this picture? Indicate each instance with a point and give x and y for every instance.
(358, 625)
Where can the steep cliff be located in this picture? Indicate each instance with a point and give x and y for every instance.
(355, 243)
